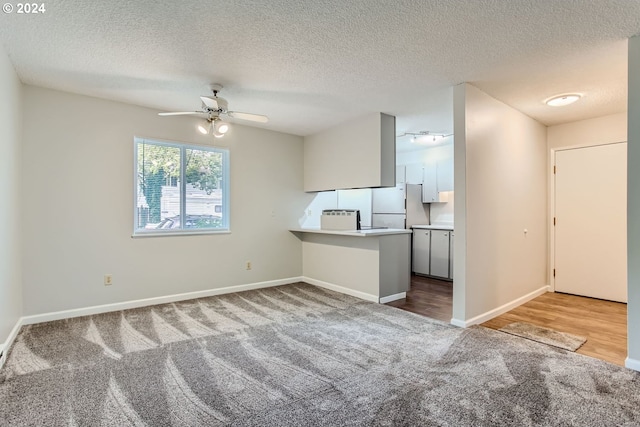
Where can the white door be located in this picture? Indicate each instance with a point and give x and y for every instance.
(591, 222)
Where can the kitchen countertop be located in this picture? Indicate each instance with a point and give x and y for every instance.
(434, 227)
(354, 233)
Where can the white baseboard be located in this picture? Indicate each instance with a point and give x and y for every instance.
(4, 348)
(341, 289)
(632, 364)
(500, 310)
(457, 322)
(393, 297)
(97, 309)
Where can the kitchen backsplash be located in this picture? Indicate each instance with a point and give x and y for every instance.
(442, 213)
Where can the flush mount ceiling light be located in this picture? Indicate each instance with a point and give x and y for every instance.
(562, 100)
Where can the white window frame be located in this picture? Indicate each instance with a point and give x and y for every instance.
(226, 162)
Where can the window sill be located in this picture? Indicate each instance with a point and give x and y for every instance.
(178, 233)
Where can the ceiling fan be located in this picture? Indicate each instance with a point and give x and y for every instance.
(212, 108)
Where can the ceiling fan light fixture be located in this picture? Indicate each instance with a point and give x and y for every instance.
(203, 127)
(221, 127)
(562, 100)
(212, 108)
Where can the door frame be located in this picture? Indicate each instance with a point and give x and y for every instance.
(551, 183)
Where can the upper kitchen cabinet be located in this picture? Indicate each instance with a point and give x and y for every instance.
(436, 178)
(429, 184)
(413, 173)
(357, 154)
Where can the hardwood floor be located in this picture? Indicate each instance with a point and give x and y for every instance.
(603, 323)
(429, 297)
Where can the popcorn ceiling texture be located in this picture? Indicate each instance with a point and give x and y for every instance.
(311, 64)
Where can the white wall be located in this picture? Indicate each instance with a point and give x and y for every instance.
(460, 196)
(427, 155)
(442, 213)
(503, 154)
(77, 190)
(583, 133)
(10, 253)
(633, 207)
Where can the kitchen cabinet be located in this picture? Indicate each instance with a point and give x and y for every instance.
(413, 173)
(436, 178)
(421, 249)
(439, 254)
(355, 154)
(429, 184)
(433, 251)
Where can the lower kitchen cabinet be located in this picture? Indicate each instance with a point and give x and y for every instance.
(433, 253)
(421, 249)
(439, 254)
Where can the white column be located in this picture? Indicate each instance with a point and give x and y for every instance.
(633, 206)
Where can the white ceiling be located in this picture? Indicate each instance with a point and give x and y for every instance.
(309, 64)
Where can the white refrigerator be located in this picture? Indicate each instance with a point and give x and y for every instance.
(399, 207)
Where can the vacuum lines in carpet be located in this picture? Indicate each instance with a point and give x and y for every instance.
(298, 355)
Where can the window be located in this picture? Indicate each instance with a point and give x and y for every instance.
(180, 189)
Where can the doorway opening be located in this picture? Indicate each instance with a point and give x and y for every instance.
(429, 297)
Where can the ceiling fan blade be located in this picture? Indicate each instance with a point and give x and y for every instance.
(248, 116)
(181, 113)
(210, 102)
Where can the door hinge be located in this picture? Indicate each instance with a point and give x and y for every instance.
(554, 169)
(554, 272)
(554, 220)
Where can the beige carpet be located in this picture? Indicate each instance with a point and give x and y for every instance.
(298, 355)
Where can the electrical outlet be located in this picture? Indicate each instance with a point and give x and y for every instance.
(108, 280)
(248, 265)
(309, 212)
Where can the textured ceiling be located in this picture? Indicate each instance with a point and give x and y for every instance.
(309, 64)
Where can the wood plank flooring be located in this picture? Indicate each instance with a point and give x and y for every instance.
(429, 297)
(603, 323)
